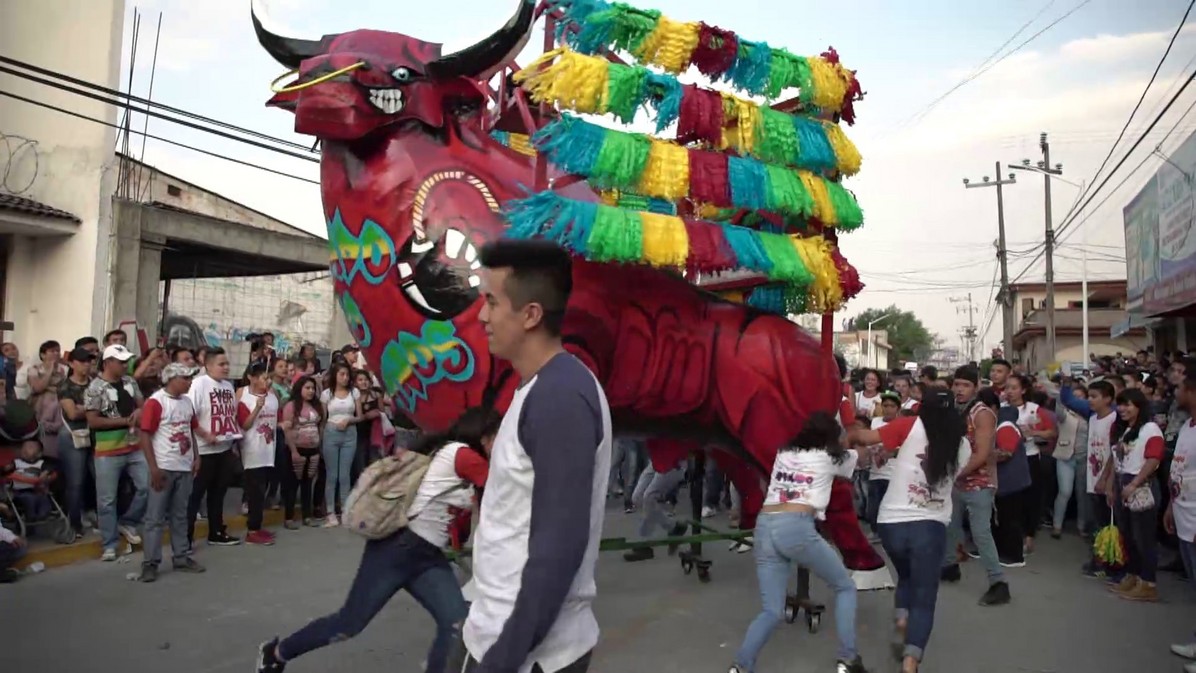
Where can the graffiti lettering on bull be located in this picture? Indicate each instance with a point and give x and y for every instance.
(412, 364)
(370, 254)
(357, 324)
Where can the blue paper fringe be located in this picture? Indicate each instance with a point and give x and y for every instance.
(814, 150)
(748, 183)
(749, 252)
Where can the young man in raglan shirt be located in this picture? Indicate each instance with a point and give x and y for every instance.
(1101, 415)
(212, 395)
(541, 515)
(167, 422)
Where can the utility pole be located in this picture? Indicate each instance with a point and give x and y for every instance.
(1005, 297)
(1050, 246)
(969, 332)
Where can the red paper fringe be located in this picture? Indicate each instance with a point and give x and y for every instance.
(849, 278)
(708, 248)
(708, 181)
(701, 118)
(716, 51)
(854, 93)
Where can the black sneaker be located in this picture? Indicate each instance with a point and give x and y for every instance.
(148, 574)
(677, 531)
(267, 660)
(856, 666)
(9, 575)
(223, 539)
(639, 554)
(1013, 563)
(997, 594)
(950, 573)
(188, 565)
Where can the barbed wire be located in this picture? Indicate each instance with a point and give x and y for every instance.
(9, 160)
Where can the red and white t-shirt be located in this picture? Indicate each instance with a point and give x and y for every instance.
(257, 446)
(911, 405)
(1009, 437)
(444, 501)
(910, 497)
(217, 413)
(882, 464)
(805, 478)
(1030, 416)
(1129, 457)
(986, 476)
(1100, 433)
(169, 421)
(865, 405)
(1183, 483)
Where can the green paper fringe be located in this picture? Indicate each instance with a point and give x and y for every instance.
(786, 263)
(786, 193)
(846, 207)
(621, 160)
(617, 236)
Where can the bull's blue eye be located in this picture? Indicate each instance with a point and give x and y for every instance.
(401, 74)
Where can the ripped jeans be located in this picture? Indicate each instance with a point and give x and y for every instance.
(401, 561)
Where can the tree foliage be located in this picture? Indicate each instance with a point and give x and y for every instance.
(908, 337)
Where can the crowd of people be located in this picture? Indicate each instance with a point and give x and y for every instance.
(947, 469)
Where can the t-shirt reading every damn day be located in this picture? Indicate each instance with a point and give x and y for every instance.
(217, 413)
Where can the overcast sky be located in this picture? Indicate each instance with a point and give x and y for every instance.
(925, 240)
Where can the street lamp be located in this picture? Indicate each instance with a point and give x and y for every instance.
(871, 345)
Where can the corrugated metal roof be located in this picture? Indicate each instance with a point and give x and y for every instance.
(26, 206)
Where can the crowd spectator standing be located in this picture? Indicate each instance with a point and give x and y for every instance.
(212, 395)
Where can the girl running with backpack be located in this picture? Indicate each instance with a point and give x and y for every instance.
(413, 558)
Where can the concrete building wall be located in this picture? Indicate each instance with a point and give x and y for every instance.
(57, 286)
(1071, 349)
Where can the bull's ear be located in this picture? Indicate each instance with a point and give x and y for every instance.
(286, 100)
(482, 59)
(288, 51)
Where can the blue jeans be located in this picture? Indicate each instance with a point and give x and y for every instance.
(1085, 516)
(1065, 476)
(782, 541)
(978, 506)
(108, 471)
(401, 561)
(339, 447)
(76, 463)
(10, 554)
(916, 549)
(655, 494)
(876, 493)
(168, 508)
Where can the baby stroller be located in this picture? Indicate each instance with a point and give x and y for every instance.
(57, 521)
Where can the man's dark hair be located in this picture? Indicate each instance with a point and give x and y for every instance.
(112, 333)
(968, 373)
(214, 351)
(1105, 389)
(1000, 361)
(541, 272)
(48, 345)
(931, 372)
(174, 352)
(842, 363)
(86, 341)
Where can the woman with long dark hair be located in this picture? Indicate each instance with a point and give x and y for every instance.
(786, 535)
(342, 402)
(413, 558)
(1039, 427)
(927, 452)
(1133, 492)
(302, 427)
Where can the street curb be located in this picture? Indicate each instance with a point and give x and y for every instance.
(60, 555)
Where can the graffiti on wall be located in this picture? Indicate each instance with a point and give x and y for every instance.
(181, 330)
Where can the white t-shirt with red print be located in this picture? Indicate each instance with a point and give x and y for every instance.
(805, 478)
(258, 443)
(443, 504)
(169, 421)
(1183, 482)
(881, 467)
(217, 413)
(1100, 433)
(865, 405)
(1030, 416)
(1130, 457)
(910, 497)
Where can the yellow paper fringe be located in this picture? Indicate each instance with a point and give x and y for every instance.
(823, 209)
(670, 45)
(666, 243)
(824, 294)
(830, 83)
(521, 143)
(740, 118)
(573, 80)
(846, 153)
(666, 174)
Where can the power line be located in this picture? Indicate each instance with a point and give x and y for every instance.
(158, 138)
(144, 101)
(86, 94)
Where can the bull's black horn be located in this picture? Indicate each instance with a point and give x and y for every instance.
(288, 51)
(482, 60)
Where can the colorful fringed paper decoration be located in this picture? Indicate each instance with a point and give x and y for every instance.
(518, 142)
(594, 85)
(754, 67)
(604, 233)
(637, 163)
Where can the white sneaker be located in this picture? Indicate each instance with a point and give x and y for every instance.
(708, 512)
(129, 533)
(331, 521)
(1190, 667)
(1187, 650)
(108, 555)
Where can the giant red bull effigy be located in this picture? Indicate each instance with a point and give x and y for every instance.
(690, 251)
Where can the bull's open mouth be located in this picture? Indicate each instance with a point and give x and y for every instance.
(440, 277)
(389, 101)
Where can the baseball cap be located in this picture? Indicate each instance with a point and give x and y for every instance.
(81, 355)
(117, 352)
(176, 369)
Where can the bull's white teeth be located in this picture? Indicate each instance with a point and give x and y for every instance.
(474, 281)
(476, 265)
(389, 101)
(471, 253)
(453, 240)
(404, 269)
(421, 246)
(416, 296)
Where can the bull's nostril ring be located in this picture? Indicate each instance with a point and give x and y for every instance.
(319, 80)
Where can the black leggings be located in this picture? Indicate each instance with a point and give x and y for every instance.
(292, 484)
(1007, 528)
(1139, 533)
(256, 481)
(1032, 504)
(215, 471)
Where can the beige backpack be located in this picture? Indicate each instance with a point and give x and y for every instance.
(377, 506)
